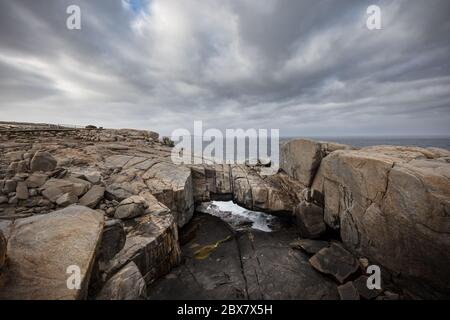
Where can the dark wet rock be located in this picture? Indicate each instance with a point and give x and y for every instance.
(42, 161)
(314, 196)
(9, 186)
(113, 239)
(309, 219)
(127, 284)
(3, 199)
(93, 196)
(361, 285)
(309, 246)
(2, 250)
(252, 265)
(335, 261)
(348, 291)
(389, 295)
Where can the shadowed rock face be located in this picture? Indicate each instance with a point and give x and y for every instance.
(391, 204)
(41, 248)
(250, 265)
(300, 159)
(2, 249)
(275, 194)
(127, 284)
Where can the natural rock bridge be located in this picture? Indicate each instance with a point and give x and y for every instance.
(389, 205)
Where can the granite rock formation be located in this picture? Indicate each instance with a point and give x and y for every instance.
(113, 203)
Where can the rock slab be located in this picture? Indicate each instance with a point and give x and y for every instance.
(127, 284)
(37, 268)
(335, 261)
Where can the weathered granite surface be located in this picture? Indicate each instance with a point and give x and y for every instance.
(388, 204)
(392, 205)
(42, 247)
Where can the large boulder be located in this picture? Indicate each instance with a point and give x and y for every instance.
(54, 188)
(127, 284)
(151, 242)
(301, 158)
(42, 161)
(276, 194)
(392, 205)
(170, 184)
(43, 248)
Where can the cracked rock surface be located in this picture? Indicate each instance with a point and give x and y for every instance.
(250, 265)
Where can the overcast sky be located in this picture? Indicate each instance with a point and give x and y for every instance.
(309, 68)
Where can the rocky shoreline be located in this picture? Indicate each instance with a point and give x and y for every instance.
(113, 204)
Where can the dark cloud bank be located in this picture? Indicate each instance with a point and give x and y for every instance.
(306, 67)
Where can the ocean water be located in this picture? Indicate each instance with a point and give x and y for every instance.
(424, 142)
(240, 218)
(241, 154)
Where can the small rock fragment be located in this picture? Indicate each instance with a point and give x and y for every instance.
(364, 291)
(348, 291)
(22, 191)
(3, 199)
(131, 207)
(36, 180)
(309, 246)
(335, 261)
(67, 199)
(10, 186)
(93, 196)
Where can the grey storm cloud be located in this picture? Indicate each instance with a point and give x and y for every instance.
(306, 67)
